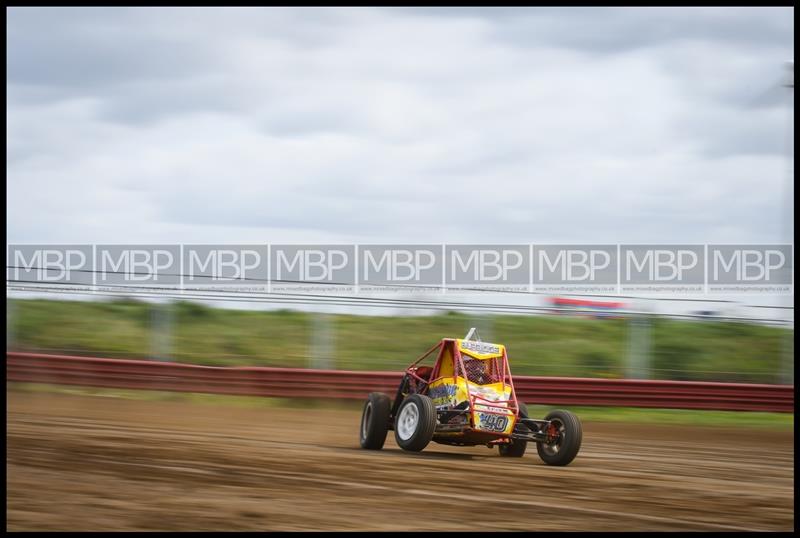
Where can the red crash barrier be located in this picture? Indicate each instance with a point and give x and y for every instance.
(296, 382)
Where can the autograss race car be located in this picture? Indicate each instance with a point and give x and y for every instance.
(466, 398)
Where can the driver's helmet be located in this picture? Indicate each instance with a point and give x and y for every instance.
(478, 371)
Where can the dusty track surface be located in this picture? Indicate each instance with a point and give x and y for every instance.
(93, 463)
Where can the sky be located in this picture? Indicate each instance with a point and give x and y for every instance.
(398, 125)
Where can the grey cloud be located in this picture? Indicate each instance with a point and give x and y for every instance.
(396, 125)
(614, 30)
(78, 49)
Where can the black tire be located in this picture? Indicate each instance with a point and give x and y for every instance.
(568, 442)
(415, 422)
(375, 421)
(517, 447)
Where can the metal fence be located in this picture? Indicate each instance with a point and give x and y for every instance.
(342, 384)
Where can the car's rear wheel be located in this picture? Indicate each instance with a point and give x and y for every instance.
(564, 437)
(517, 447)
(415, 422)
(375, 421)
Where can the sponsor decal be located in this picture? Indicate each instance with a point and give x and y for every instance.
(443, 395)
(492, 409)
(480, 347)
(442, 391)
(489, 393)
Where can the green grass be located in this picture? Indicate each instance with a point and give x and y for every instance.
(686, 417)
(537, 345)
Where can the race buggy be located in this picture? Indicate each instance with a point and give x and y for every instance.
(466, 398)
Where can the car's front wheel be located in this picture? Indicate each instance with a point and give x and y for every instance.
(564, 437)
(375, 421)
(415, 422)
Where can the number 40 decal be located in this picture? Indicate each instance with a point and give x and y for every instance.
(494, 422)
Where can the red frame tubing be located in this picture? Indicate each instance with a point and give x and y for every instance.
(472, 398)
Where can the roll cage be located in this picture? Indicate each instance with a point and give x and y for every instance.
(452, 361)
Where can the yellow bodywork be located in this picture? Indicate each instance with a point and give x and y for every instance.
(450, 391)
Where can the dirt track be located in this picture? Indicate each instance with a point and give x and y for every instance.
(93, 463)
